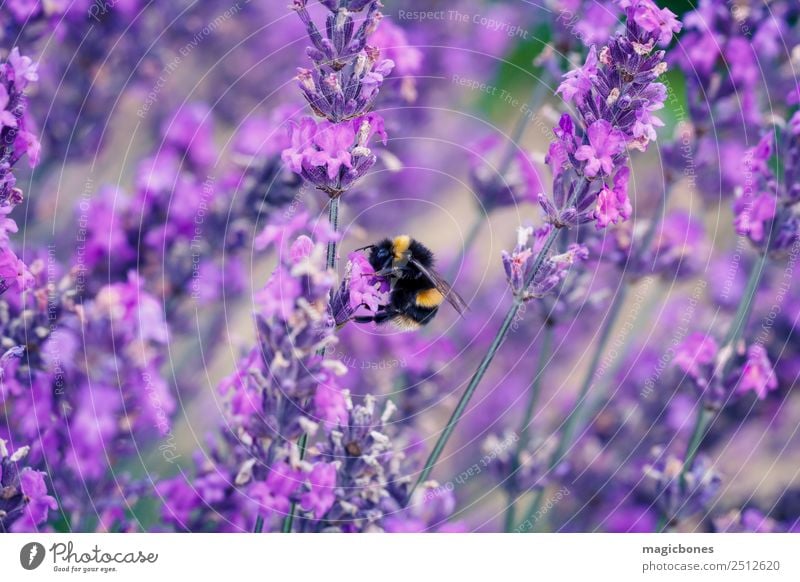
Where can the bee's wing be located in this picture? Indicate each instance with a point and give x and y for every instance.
(443, 287)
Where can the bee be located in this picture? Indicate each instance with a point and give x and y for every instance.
(417, 290)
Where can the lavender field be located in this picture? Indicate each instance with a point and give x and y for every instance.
(400, 266)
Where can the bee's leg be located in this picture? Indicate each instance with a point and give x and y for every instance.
(380, 317)
(388, 272)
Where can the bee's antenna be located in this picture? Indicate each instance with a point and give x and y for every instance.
(364, 248)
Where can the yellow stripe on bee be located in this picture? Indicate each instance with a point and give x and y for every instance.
(429, 298)
(405, 323)
(400, 245)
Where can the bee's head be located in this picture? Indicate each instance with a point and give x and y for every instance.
(382, 255)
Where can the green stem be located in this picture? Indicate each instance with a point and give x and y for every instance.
(536, 387)
(332, 251)
(498, 340)
(333, 218)
(259, 525)
(746, 306)
(705, 415)
(288, 521)
(701, 424)
(662, 524)
(568, 428)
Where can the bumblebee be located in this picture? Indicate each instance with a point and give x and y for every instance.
(417, 290)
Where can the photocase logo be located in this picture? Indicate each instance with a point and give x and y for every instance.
(31, 555)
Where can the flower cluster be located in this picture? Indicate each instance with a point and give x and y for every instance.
(645, 347)
(16, 134)
(616, 94)
(333, 156)
(17, 139)
(730, 56)
(360, 289)
(519, 264)
(342, 88)
(765, 206)
(680, 493)
(287, 386)
(347, 71)
(24, 502)
(182, 228)
(702, 360)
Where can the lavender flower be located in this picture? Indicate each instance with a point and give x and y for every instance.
(757, 373)
(678, 493)
(330, 156)
(347, 71)
(696, 345)
(696, 356)
(519, 264)
(360, 290)
(367, 476)
(16, 141)
(24, 502)
(616, 94)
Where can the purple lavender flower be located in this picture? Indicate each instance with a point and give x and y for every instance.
(14, 274)
(347, 71)
(578, 82)
(287, 386)
(695, 356)
(754, 217)
(613, 204)
(408, 60)
(615, 92)
(605, 144)
(24, 502)
(659, 22)
(680, 494)
(273, 495)
(16, 137)
(369, 483)
(519, 263)
(333, 156)
(757, 373)
(360, 290)
(320, 484)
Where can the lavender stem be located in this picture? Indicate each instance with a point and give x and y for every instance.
(609, 322)
(333, 218)
(570, 423)
(705, 414)
(544, 355)
(481, 371)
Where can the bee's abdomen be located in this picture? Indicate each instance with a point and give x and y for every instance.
(429, 298)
